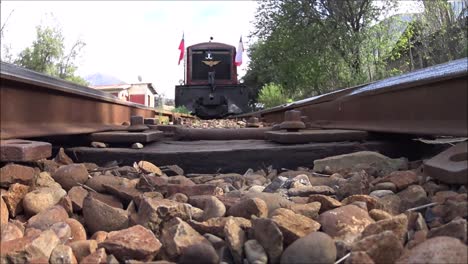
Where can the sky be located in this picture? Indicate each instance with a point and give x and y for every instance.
(127, 39)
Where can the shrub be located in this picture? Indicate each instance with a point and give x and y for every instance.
(271, 95)
(181, 110)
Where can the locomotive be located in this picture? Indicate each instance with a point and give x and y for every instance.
(211, 89)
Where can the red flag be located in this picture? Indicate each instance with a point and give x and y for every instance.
(240, 49)
(182, 49)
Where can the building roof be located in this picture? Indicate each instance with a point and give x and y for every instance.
(123, 87)
(150, 87)
(113, 86)
(99, 79)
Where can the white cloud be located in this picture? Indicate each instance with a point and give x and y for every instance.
(131, 38)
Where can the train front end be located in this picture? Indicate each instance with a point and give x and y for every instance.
(211, 88)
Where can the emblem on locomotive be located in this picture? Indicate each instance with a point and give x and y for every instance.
(209, 60)
(211, 63)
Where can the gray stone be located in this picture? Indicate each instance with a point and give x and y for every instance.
(342, 248)
(401, 179)
(436, 250)
(62, 158)
(412, 196)
(71, 175)
(178, 197)
(356, 184)
(62, 254)
(45, 219)
(384, 247)
(303, 179)
(248, 207)
(62, 230)
(198, 254)
(43, 245)
(77, 195)
(99, 256)
(272, 200)
(456, 228)
(267, 233)
(381, 193)
(397, 224)
(137, 146)
(83, 248)
(369, 201)
(217, 242)
(96, 144)
(310, 210)
(107, 199)
(359, 257)
(309, 190)
(326, 202)
(211, 206)
(391, 203)
(276, 184)
(216, 225)
(317, 247)
(255, 253)
(385, 186)
(100, 216)
(96, 183)
(345, 223)
(255, 179)
(382, 164)
(256, 188)
(177, 236)
(152, 212)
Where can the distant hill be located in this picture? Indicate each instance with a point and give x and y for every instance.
(102, 79)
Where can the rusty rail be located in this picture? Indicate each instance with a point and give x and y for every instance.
(431, 101)
(34, 105)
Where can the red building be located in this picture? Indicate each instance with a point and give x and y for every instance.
(140, 93)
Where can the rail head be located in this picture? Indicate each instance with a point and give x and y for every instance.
(22, 75)
(434, 74)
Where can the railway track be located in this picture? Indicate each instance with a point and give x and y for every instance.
(34, 105)
(431, 101)
(271, 189)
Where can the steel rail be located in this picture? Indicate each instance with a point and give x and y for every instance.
(35, 105)
(430, 101)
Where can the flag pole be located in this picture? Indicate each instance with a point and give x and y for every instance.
(185, 56)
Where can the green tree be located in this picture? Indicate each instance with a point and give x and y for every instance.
(272, 95)
(435, 36)
(310, 46)
(442, 35)
(47, 55)
(6, 54)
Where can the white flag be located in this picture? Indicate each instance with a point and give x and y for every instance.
(239, 51)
